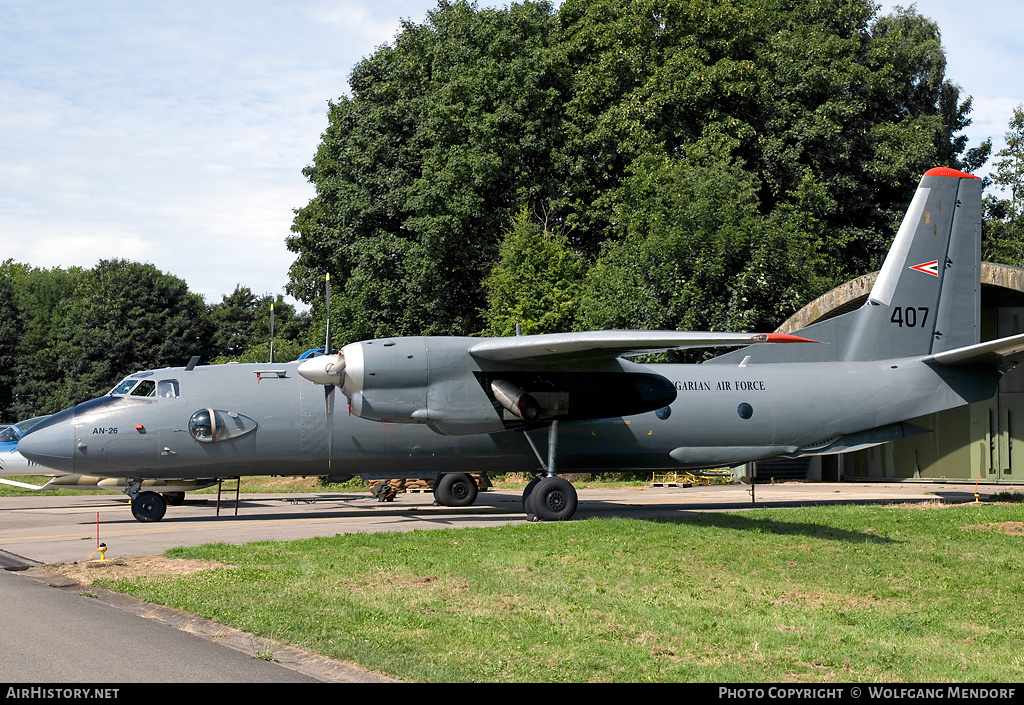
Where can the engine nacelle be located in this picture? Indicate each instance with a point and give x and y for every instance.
(435, 381)
(419, 380)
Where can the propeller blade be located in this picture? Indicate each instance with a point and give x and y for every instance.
(328, 349)
(329, 407)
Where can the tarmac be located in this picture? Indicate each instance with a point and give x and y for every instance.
(42, 529)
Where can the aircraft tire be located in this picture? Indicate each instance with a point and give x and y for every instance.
(527, 492)
(174, 499)
(551, 499)
(455, 490)
(149, 506)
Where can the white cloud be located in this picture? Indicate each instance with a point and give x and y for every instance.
(171, 132)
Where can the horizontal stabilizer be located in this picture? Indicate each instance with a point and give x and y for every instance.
(862, 439)
(1004, 351)
(609, 344)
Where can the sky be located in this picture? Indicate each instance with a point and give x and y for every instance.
(175, 133)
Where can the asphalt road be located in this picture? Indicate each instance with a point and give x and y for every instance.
(62, 636)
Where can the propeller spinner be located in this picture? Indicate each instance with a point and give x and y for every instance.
(328, 370)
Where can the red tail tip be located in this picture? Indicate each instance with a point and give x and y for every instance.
(946, 171)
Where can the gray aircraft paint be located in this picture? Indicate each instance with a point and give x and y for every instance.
(421, 406)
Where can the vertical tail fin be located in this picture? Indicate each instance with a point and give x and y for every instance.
(927, 296)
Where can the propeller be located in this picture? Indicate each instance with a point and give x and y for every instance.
(328, 370)
(329, 388)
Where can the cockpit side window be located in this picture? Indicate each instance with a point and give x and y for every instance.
(146, 388)
(167, 388)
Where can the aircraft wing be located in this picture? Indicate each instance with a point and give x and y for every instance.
(609, 344)
(993, 352)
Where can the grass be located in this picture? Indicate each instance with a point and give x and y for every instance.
(880, 593)
(250, 483)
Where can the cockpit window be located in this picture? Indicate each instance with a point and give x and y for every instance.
(132, 386)
(124, 388)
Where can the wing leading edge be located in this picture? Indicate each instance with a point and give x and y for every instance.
(596, 345)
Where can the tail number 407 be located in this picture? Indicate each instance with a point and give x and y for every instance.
(909, 316)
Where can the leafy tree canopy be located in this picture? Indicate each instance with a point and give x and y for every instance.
(71, 335)
(817, 116)
(1003, 236)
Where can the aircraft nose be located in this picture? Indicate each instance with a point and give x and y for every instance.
(50, 445)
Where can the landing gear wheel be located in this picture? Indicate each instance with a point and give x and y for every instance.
(149, 506)
(455, 490)
(527, 492)
(174, 499)
(551, 499)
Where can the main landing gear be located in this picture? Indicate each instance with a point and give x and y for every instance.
(455, 490)
(549, 497)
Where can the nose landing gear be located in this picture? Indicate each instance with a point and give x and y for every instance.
(149, 506)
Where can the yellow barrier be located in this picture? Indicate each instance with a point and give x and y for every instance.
(694, 477)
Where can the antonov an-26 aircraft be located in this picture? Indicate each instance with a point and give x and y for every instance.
(441, 407)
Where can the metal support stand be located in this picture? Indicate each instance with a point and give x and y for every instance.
(238, 490)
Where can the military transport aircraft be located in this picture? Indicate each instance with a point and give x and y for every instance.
(11, 461)
(441, 407)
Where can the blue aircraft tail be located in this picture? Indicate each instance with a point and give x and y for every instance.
(926, 299)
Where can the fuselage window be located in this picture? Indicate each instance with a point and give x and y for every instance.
(203, 426)
(167, 388)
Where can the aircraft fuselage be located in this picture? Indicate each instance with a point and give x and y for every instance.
(270, 421)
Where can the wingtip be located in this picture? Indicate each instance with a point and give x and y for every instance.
(780, 338)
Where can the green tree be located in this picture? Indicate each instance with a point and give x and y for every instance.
(1003, 236)
(39, 296)
(536, 282)
(121, 317)
(802, 90)
(10, 334)
(831, 111)
(446, 134)
(241, 328)
(699, 256)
